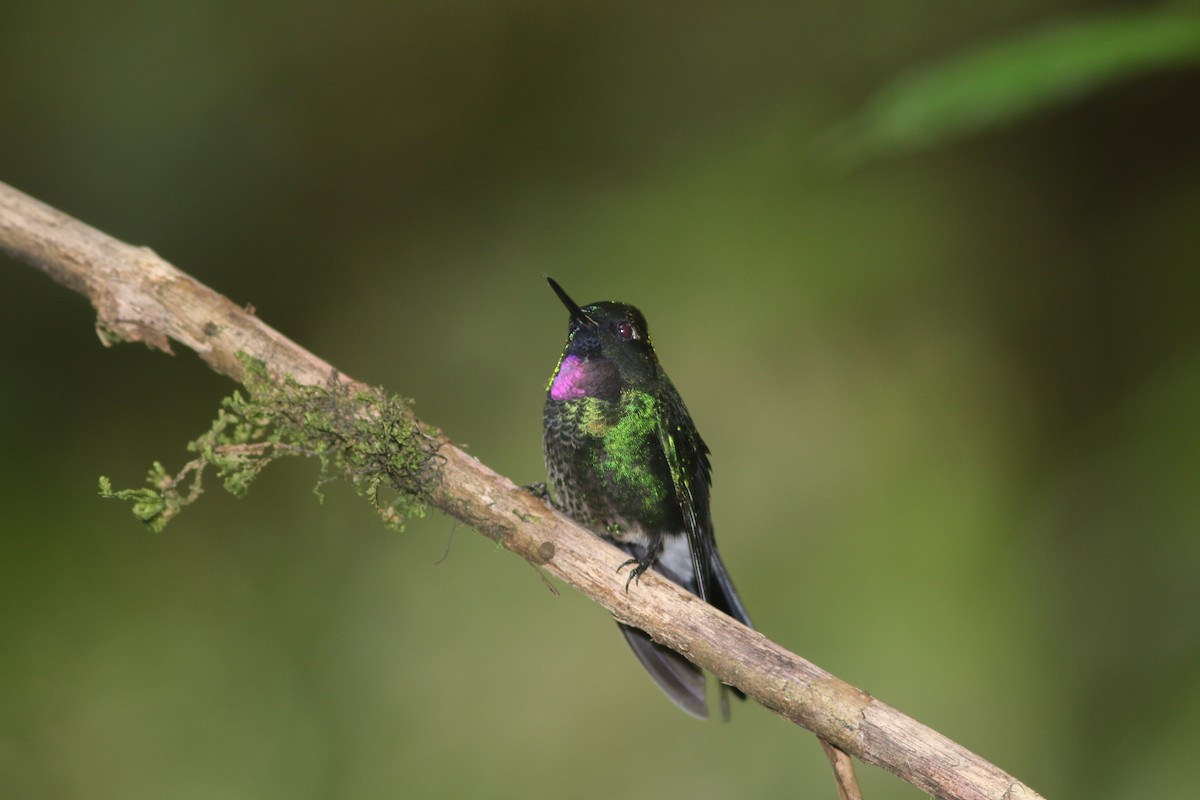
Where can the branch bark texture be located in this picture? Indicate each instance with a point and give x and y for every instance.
(140, 297)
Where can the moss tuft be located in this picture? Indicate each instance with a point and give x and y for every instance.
(368, 437)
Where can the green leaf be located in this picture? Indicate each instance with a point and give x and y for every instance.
(1010, 79)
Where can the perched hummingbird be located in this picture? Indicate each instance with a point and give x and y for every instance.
(626, 461)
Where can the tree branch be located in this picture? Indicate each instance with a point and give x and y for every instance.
(140, 297)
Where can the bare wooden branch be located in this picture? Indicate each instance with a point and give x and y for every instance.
(140, 297)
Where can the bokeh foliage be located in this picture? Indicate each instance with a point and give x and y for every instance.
(1017, 76)
(950, 394)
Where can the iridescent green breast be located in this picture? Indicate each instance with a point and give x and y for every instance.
(606, 462)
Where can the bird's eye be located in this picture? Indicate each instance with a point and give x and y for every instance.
(626, 330)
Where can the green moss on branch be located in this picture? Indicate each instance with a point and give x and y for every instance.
(366, 437)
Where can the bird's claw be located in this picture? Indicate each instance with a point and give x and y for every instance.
(635, 575)
(540, 491)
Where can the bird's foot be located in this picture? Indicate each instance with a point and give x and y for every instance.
(540, 491)
(635, 574)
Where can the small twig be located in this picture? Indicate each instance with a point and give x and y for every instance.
(843, 772)
(449, 544)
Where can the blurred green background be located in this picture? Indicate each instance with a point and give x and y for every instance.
(949, 375)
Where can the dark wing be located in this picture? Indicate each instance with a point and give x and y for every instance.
(687, 462)
(691, 473)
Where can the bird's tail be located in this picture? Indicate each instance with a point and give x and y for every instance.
(681, 680)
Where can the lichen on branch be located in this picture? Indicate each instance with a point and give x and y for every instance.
(364, 436)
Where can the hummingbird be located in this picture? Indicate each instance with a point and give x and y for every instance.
(626, 461)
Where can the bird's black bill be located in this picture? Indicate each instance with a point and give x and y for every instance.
(577, 314)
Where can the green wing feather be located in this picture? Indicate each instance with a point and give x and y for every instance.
(687, 460)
